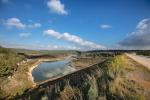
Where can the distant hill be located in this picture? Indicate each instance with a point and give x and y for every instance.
(27, 51)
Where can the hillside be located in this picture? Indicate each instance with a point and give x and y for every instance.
(8, 61)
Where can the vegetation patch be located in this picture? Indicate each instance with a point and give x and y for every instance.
(119, 86)
(8, 61)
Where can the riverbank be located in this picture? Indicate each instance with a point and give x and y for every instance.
(22, 79)
(30, 74)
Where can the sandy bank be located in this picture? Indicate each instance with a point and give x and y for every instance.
(30, 77)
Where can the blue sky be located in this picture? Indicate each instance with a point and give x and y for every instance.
(75, 24)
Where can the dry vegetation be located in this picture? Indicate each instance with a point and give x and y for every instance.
(8, 61)
(120, 85)
(119, 78)
(110, 81)
(18, 82)
(80, 63)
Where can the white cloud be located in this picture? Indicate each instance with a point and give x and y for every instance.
(15, 22)
(74, 39)
(52, 33)
(24, 35)
(57, 7)
(35, 25)
(105, 26)
(140, 39)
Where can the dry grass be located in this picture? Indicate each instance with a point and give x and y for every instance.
(93, 90)
(19, 81)
(69, 93)
(120, 86)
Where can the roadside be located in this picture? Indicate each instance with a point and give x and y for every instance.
(140, 73)
(140, 59)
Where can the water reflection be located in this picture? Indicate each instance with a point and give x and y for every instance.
(51, 69)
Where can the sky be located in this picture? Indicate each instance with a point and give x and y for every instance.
(75, 24)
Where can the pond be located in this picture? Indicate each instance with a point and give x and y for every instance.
(47, 70)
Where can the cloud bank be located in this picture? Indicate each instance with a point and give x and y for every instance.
(140, 39)
(57, 7)
(73, 39)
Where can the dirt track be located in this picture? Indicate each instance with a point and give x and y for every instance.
(140, 59)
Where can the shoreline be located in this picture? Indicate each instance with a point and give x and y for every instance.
(30, 72)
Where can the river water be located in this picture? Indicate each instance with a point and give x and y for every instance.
(48, 70)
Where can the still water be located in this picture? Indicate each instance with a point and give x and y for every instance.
(48, 70)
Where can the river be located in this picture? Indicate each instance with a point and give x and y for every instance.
(47, 70)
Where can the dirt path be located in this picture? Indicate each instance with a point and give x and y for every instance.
(140, 59)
